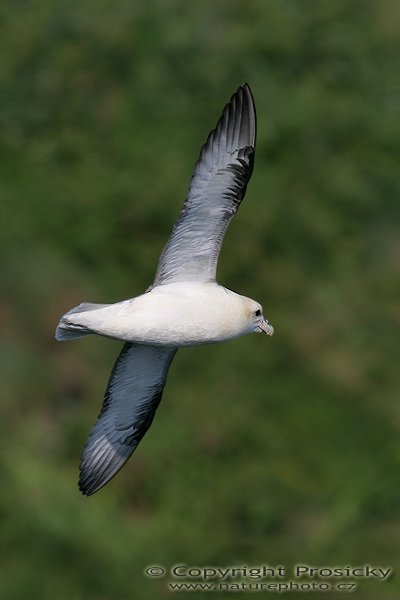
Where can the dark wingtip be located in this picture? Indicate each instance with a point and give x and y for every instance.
(96, 470)
(245, 86)
(87, 490)
(84, 490)
(85, 484)
(251, 109)
(90, 481)
(243, 99)
(88, 485)
(247, 90)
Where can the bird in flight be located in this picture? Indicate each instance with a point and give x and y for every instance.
(184, 306)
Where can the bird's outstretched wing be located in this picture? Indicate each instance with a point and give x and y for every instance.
(217, 188)
(131, 399)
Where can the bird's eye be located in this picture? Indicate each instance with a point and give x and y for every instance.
(258, 312)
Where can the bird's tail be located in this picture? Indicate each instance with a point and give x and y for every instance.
(67, 330)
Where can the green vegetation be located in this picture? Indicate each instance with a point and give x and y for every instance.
(263, 450)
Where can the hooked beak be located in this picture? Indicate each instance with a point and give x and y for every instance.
(266, 327)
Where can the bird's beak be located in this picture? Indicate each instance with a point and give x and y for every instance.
(266, 327)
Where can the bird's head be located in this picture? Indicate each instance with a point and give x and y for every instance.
(255, 318)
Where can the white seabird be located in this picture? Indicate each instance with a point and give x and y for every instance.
(185, 305)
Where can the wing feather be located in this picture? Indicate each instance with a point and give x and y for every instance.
(217, 188)
(133, 394)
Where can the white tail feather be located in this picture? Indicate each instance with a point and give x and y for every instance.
(71, 331)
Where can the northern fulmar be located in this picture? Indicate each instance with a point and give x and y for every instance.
(184, 306)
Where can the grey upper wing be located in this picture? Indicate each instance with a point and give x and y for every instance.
(217, 188)
(131, 399)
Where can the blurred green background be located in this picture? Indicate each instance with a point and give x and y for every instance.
(263, 450)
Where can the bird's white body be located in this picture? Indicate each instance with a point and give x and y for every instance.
(177, 314)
